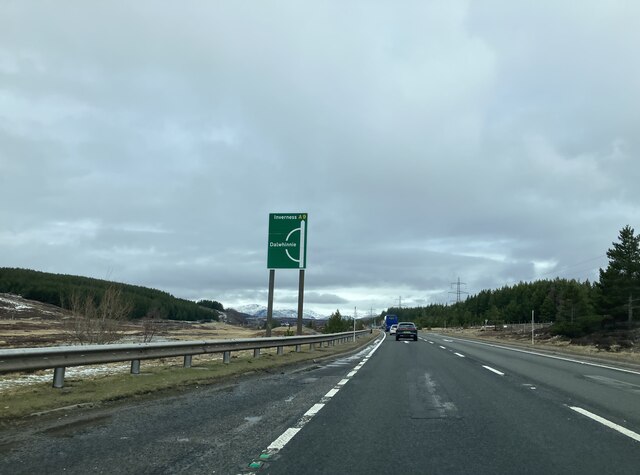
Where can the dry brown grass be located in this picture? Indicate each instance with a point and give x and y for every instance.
(35, 324)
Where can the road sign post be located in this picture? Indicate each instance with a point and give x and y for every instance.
(287, 250)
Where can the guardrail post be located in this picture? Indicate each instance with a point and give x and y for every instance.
(58, 377)
(135, 366)
(59, 358)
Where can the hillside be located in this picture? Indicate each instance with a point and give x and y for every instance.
(59, 290)
(29, 323)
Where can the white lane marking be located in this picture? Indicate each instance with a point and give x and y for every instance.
(314, 409)
(612, 425)
(430, 342)
(332, 393)
(288, 434)
(351, 374)
(570, 360)
(406, 342)
(494, 370)
(442, 347)
(281, 441)
(458, 354)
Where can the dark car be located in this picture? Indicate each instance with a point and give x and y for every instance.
(407, 330)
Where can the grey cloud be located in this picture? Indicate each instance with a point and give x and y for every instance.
(427, 141)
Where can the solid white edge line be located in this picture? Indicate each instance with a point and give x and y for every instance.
(493, 370)
(284, 439)
(608, 423)
(570, 360)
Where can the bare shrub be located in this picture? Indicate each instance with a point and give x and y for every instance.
(96, 321)
(151, 324)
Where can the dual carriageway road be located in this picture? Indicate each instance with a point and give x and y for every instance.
(437, 405)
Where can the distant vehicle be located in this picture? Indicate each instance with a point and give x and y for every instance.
(392, 329)
(406, 330)
(388, 321)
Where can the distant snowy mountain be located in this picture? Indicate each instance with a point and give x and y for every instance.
(260, 311)
(251, 309)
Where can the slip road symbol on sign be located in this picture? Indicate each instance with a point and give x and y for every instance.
(287, 241)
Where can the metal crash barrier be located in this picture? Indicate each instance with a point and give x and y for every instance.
(61, 357)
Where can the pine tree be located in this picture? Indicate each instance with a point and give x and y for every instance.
(620, 282)
(336, 324)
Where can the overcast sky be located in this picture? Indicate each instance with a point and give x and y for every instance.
(147, 142)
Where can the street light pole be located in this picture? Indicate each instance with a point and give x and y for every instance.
(532, 323)
(355, 313)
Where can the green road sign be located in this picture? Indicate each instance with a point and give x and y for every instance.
(287, 241)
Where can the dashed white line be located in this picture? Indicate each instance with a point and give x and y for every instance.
(288, 434)
(281, 441)
(314, 409)
(442, 347)
(612, 425)
(332, 393)
(493, 370)
(458, 354)
(571, 360)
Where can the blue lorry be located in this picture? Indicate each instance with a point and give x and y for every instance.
(390, 320)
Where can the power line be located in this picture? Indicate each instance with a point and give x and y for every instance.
(458, 292)
(570, 266)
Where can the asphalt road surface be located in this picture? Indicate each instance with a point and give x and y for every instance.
(438, 405)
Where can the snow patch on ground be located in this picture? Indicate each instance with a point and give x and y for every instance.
(46, 376)
(15, 303)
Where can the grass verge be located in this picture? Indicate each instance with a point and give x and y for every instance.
(41, 398)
